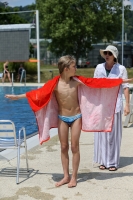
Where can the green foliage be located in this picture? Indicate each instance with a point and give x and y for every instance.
(129, 25)
(10, 18)
(30, 67)
(1, 67)
(13, 67)
(31, 49)
(73, 25)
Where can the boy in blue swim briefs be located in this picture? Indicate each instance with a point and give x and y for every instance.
(66, 93)
(69, 115)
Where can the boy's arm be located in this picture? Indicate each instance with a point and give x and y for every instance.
(15, 97)
(127, 80)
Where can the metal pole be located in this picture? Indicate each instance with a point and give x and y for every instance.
(21, 78)
(12, 79)
(38, 45)
(25, 77)
(122, 43)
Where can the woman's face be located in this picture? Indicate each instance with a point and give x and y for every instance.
(109, 57)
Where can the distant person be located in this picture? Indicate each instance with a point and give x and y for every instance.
(21, 68)
(6, 72)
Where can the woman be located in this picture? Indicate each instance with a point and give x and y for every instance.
(6, 71)
(107, 145)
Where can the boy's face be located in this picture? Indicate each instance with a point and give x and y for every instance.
(72, 69)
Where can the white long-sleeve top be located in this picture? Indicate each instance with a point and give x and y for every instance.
(117, 71)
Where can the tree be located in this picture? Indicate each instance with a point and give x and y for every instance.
(73, 25)
(31, 49)
(18, 18)
(129, 25)
(10, 18)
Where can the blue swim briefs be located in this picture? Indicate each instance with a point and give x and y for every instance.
(69, 120)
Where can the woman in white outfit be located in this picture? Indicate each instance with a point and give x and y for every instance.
(107, 144)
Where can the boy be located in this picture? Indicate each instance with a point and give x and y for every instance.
(66, 95)
(65, 89)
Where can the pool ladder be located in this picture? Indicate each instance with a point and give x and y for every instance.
(23, 76)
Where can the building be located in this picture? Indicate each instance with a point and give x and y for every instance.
(94, 56)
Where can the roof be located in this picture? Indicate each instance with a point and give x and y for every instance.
(11, 27)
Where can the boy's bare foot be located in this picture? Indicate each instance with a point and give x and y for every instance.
(62, 182)
(72, 183)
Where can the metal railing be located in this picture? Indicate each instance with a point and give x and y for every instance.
(12, 79)
(23, 76)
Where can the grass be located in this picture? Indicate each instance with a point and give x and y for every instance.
(46, 75)
(87, 72)
(130, 73)
(49, 71)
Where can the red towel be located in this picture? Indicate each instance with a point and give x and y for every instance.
(97, 103)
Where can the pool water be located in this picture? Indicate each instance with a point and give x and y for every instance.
(18, 111)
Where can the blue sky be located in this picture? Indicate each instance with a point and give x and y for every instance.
(28, 2)
(129, 2)
(13, 3)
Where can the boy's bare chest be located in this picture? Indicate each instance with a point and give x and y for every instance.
(66, 90)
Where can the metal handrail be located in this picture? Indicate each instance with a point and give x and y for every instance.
(23, 75)
(12, 79)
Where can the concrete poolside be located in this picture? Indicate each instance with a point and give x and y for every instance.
(21, 84)
(30, 84)
(45, 170)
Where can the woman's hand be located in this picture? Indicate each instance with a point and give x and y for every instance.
(126, 109)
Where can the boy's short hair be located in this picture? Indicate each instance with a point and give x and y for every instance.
(65, 61)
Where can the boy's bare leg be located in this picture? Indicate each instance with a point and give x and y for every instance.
(75, 135)
(63, 129)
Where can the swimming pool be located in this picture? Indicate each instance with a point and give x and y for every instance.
(18, 111)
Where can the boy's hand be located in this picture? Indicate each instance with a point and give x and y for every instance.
(11, 96)
(127, 80)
